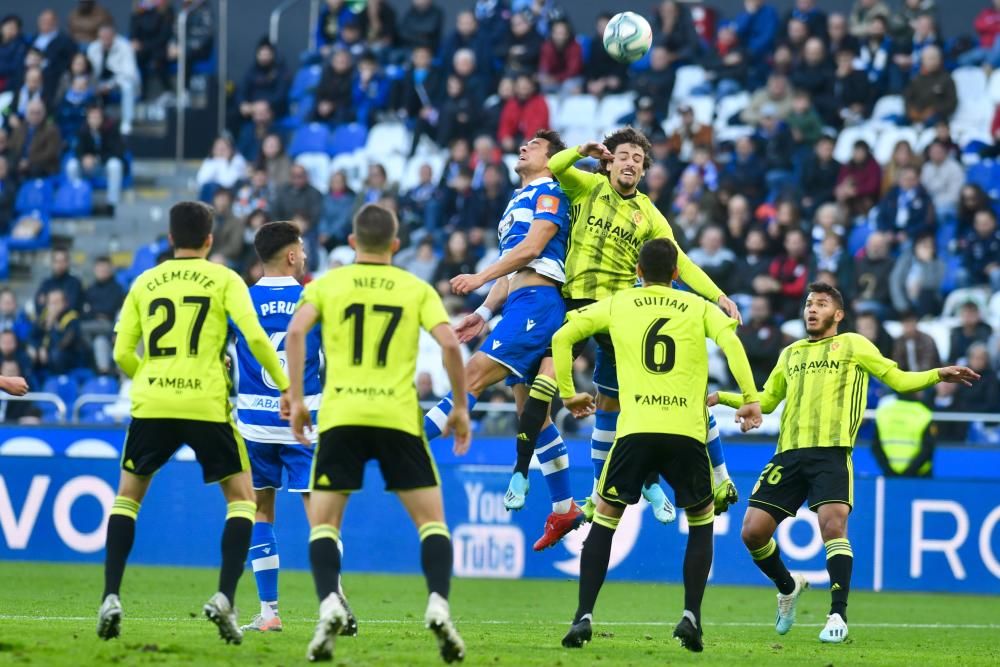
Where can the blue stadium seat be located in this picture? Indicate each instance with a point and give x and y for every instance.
(4, 259)
(42, 240)
(857, 238)
(65, 387)
(347, 138)
(946, 230)
(305, 82)
(35, 195)
(93, 413)
(73, 199)
(301, 109)
(312, 138)
(952, 264)
(82, 375)
(102, 384)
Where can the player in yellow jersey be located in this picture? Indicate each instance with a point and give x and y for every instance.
(823, 380)
(611, 220)
(659, 334)
(372, 314)
(180, 311)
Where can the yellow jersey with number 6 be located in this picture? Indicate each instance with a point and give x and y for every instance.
(371, 316)
(181, 311)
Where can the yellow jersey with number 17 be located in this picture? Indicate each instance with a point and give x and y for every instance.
(181, 310)
(371, 316)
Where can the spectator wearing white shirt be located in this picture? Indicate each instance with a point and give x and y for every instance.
(943, 177)
(225, 167)
(115, 69)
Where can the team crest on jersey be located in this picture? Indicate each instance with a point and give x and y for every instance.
(547, 204)
(834, 347)
(637, 218)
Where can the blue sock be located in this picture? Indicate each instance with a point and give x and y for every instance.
(264, 561)
(715, 453)
(605, 424)
(554, 459)
(437, 417)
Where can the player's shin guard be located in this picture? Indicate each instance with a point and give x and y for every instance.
(768, 559)
(715, 454)
(605, 424)
(324, 556)
(264, 561)
(554, 459)
(529, 426)
(235, 545)
(839, 563)
(594, 563)
(121, 535)
(436, 557)
(437, 417)
(697, 562)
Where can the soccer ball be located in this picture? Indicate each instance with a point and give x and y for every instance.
(627, 37)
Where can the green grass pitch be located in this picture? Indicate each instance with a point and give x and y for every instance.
(48, 613)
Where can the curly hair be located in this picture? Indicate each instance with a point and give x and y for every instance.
(628, 135)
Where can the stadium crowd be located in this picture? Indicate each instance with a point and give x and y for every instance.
(835, 147)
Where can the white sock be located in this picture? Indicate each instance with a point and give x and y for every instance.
(690, 616)
(720, 473)
(562, 506)
(269, 609)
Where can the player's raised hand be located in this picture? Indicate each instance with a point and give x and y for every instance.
(301, 421)
(14, 385)
(581, 405)
(465, 283)
(596, 150)
(470, 327)
(749, 417)
(458, 424)
(730, 308)
(958, 375)
(712, 400)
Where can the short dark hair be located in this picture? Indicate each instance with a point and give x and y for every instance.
(375, 227)
(829, 290)
(556, 143)
(191, 224)
(273, 237)
(658, 260)
(630, 135)
(103, 259)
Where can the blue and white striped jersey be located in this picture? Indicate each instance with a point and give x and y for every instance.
(257, 401)
(543, 199)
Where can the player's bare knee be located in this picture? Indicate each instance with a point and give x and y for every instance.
(265, 505)
(833, 525)
(755, 533)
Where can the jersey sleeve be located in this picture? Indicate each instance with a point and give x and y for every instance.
(129, 331)
(551, 206)
(886, 370)
(310, 295)
(239, 308)
(580, 324)
(772, 394)
(432, 311)
(573, 181)
(722, 329)
(694, 277)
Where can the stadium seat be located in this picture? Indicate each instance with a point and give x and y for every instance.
(729, 106)
(857, 238)
(889, 106)
(352, 164)
(73, 199)
(924, 139)
(847, 138)
(887, 140)
(994, 86)
(576, 110)
(63, 386)
(101, 384)
(940, 331)
(390, 137)
(553, 101)
(993, 312)
(969, 82)
(703, 107)
(394, 166)
(42, 240)
(511, 162)
(312, 138)
(4, 259)
(304, 83)
(317, 165)
(411, 174)
(954, 301)
(347, 138)
(612, 108)
(687, 79)
(35, 195)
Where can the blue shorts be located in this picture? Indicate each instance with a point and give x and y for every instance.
(267, 461)
(531, 317)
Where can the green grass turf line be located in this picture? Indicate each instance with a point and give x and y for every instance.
(48, 614)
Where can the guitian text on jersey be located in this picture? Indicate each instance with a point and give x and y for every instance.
(813, 366)
(663, 301)
(180, 274)
(609, 228)
(662, 399)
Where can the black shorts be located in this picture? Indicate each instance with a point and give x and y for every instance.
(820, 474)
(680, 460)
(339, 464)
(149, 443)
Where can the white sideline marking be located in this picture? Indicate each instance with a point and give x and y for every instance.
(463, 622)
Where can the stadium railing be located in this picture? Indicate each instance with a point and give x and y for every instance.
(90, 399)
(275, 21)
(42, 397)
(222, 64)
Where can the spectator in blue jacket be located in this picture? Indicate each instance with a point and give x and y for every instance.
(757, 28)
(906, 209)
(266, 80)
(468, 35)
(13, 48)
(13, 318)
(369, 90)
(56, 46)
(338, 207)
(981, 259)
(875, 58)
(62, 280)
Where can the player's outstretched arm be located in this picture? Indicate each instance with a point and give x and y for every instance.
(13, 385)
(580, 324)
(539, 234)
(293, 405)
(748, 416)
(699, 281)
(451, 358)
(472, 325)
(572, 180)
(770, 397)
(129, 331)
(905, 382)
